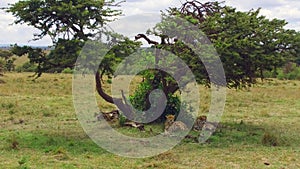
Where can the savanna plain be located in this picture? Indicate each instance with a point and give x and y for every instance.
(260, 128)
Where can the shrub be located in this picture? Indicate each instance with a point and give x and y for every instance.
(280, 75)
(27, 67)
(68, 71)
(290, 72)
(138, 99)
(294, 75)
(270, 74)
(139, 96)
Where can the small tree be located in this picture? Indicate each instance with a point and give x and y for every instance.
(7, 61)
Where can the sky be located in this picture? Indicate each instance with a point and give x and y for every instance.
(139, 15)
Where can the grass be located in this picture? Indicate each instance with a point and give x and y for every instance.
(39, 129)
(21, 60)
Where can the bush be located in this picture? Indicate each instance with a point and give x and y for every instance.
(139, 96)
(138, 99)
(294, 75)
(280, 75)
(68, 71)
(27, 67)
(290, 72)
(270, 74)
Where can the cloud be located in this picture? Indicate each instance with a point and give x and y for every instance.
(282, 9)
(132, 7)
(247, 5)
(11, 33)
(134, 24)
(288, 10)
(4, 3)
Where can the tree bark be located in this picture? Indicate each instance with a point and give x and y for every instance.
(122, 106)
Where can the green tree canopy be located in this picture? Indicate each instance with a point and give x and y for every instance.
(67, 19)
(69, 23)
(247, 42)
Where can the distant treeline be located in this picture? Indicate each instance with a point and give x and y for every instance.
(8, 47)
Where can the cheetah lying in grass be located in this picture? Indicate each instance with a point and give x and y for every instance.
(172, 126)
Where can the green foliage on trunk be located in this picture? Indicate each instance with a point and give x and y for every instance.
(140, 98)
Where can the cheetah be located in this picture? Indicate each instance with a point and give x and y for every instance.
(173, 126)
(199, 123)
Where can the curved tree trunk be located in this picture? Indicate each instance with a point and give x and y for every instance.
(123, 106)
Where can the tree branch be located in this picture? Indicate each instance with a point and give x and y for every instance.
(139, 36)
(124, 107)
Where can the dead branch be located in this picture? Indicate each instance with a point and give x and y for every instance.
(139, 36)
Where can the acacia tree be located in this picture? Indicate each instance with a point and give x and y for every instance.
(69, 23)
(156, 78)
(247, 43)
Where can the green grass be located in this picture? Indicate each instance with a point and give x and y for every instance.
(39, 129)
